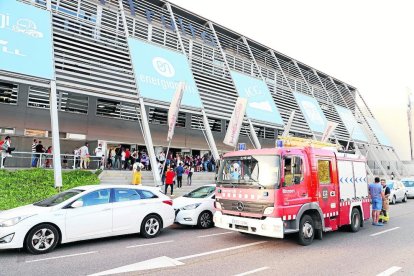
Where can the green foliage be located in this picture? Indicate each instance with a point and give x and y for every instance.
(24, 187)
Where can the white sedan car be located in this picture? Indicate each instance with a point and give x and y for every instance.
(409, 185)
(398, 191)
(83, 213)
(196, 207)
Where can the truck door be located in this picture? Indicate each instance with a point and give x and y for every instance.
(294, 188)
(328, 188)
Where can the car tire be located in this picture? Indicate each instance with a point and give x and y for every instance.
(306, 230)
(41, 239)
(355, 220)
(394, 200)
(205, 220)
(405, 198)
(151, 226)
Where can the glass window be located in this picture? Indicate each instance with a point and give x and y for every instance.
(96, 198)
(126, 195)
(201, 192)
(146, 194)
(59, 198)
(408, 183)
(293, 170)
(324, 172)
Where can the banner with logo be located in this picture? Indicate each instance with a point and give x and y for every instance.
(351, 124)
(236, 121)
(174, 109)
(260, 104)
(26, 40)
(312, 112)
(379, 133)
(158, 72)
(330, 127)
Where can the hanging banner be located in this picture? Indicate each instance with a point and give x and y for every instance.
(158, 72)
(26, 40)
(379, 133)
(174, 109)
(312, 112)
(289, 124)
(260, 104)
(351, 124)
(330, 127)
(236, 121)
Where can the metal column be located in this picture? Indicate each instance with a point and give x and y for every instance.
(144, 119)
(57, 167)
(209, 135)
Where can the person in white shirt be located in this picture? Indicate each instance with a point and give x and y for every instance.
(123, 154)
(190, 174)
(100, 155)
(84, 155)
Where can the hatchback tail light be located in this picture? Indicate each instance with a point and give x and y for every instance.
(169, 202)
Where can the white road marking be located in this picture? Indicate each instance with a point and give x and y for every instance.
(389, 271)
(60, 257)
(385, 231)
(218, 251)
(164, 261)
(146, 244)
(218, 234)
(252, 271)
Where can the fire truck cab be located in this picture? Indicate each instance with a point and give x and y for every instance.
(306, 190)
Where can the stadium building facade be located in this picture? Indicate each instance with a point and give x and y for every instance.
(105, 56)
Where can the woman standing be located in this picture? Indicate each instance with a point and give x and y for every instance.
(190, 175)
(136, 174)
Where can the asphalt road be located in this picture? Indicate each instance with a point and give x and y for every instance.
(189, 251)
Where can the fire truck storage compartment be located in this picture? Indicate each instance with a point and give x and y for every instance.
(353, 179)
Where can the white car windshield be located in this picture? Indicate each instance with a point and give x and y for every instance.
(201, 192)
(59, 198)
(408, 183)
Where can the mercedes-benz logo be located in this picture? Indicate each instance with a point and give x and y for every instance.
(240, 206)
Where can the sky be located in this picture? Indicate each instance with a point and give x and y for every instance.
(367, 44)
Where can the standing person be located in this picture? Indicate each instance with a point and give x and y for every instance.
(99, 155)
(127, 159)
(169, 180)
(136, 174)
(161, 157)
(48, 163)
(84, 152)
(123, 155)
(39, 151)
(33, 163)
(65, 160)
(385, 214)
(179, 170)
(118, 155)
(76, 160)
(5, 149)
(190, 175)
(376, 194)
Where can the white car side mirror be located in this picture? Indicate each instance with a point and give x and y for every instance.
(77, 204)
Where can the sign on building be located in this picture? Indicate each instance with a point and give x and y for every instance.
(354, 129)
(26, 40)
(158, 72)
(260, 104)
(312, 112)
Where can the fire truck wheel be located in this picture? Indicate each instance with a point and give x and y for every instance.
(355, 220)
(306, 230)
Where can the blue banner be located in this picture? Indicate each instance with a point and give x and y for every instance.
(351, 124)
(312, 112)
(376, 128)
(260, 104)
(26, 40)
(158, 71)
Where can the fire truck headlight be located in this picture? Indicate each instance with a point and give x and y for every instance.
(217, 205)
(269, 210)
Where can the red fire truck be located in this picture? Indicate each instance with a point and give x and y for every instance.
(305, 189)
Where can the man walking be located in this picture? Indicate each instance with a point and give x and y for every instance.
(169, 180)
(84, 155)
(179, 170)
(377, 195)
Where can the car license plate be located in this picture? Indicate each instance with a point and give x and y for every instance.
(239, 222)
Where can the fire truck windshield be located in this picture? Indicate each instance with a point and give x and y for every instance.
(256, 170)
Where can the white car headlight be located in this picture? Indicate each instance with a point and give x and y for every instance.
(191, 206)
(13, 221)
